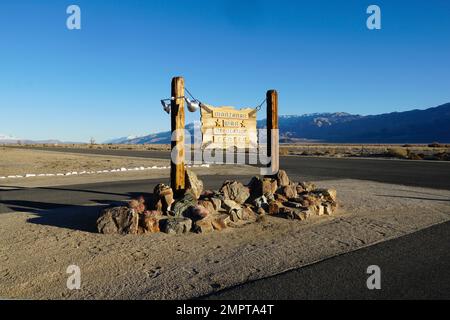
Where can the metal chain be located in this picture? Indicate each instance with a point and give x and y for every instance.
(257, 108)
(260, 105)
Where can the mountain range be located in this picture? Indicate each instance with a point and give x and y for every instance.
(415, 126)
(8, 139)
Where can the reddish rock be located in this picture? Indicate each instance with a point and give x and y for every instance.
(199, 212)
(203, 226)
(209, 205)
(289, 191)
(275, 207)
(152, 214)
(151, 224)
(163, 197)
(137, 204)
(269, 186)
(220, 222)
(282, 178)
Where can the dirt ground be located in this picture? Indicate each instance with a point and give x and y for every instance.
(36, 248)
(22, 162)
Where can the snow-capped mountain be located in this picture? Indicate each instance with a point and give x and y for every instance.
(5, 138)
(122, 140)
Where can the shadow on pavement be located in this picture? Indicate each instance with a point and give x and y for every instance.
(74, 217)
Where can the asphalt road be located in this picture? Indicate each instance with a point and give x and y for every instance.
(430, 174)
(414, 266)
(105, 193)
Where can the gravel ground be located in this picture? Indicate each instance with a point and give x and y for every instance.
(34, 255)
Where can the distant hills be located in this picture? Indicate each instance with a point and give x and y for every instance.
(7, 139)
(415, 126)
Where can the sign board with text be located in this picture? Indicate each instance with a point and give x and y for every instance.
(225, 127)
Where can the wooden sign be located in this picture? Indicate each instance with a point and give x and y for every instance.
(224, 127)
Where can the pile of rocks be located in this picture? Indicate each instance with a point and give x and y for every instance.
(203, 211)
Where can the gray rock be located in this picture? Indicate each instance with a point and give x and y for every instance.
(295, 213)
(118, 220)
(217, 203)
(233, 209)
(183, 205)
(236, 191)
(176, 225)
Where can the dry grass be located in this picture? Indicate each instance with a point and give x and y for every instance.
(406, 151)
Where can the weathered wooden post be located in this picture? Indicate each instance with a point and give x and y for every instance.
(273, 150)
(177, 169)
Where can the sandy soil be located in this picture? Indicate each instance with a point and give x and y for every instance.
(21, 162)
(37, 248)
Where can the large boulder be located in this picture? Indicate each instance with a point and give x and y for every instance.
(236, 191)
(289, 191)
(118, 220)
(204, 225)
(176, 225)
(193, 183)
(265, 186)
(282, 178)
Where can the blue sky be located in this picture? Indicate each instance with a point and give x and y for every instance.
(106, 79)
